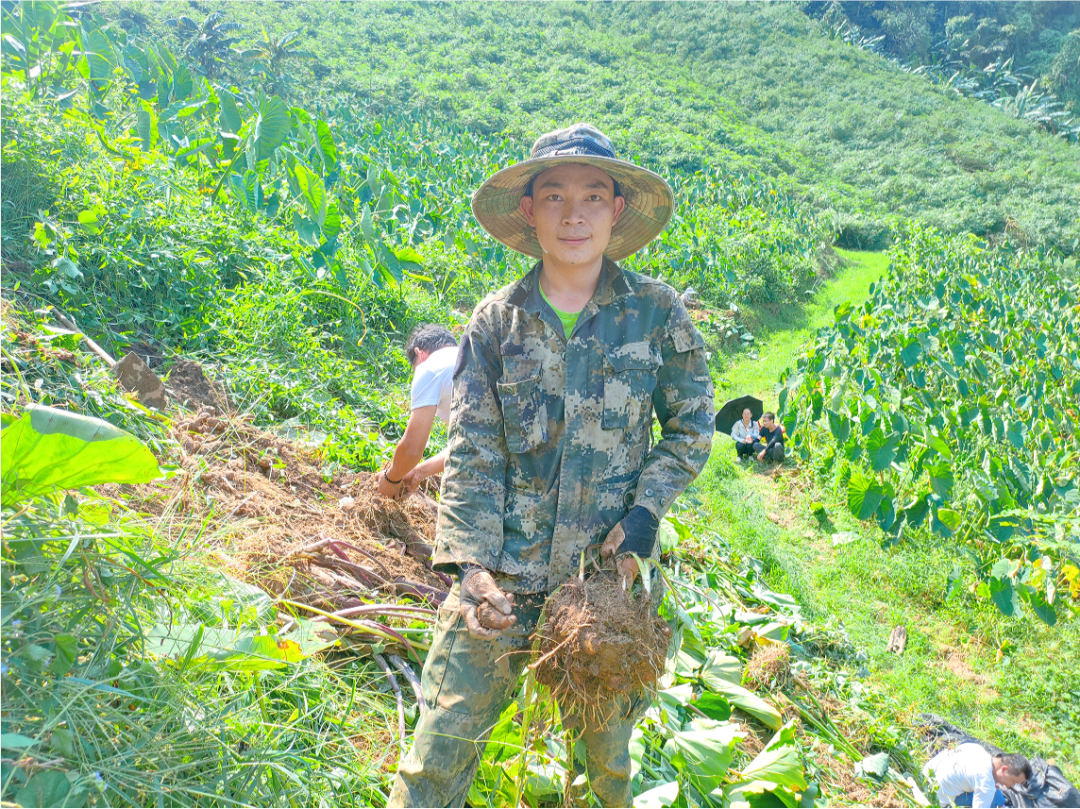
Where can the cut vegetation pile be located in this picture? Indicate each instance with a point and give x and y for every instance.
(329, 542)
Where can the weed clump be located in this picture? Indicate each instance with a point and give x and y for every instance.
(770, 667)
(597, 643)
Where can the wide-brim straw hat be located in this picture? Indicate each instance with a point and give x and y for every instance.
(649, 201)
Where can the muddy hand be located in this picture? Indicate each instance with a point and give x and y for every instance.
(412, 481)
(614, 539)
(635, 533)
(487, 610)
(388, 488)
(628, 570)
(627, 566)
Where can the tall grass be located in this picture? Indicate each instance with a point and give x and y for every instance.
(94, 709)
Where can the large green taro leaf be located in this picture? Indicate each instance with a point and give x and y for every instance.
(747, 701)
(881, 449)
(271, 127)
(704, 755)
(49, 449)
(941, 479)
(864, 495)
(910, 353)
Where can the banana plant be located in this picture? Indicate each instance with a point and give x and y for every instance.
(208, 43)
(271, 54)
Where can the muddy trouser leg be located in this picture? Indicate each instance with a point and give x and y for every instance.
(777, 452)
(607, 753)
(466, 683)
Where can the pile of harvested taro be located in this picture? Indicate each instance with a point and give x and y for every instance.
(328, 542)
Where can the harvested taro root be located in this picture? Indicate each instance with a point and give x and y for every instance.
(598, 643)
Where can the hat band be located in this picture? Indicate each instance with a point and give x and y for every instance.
(574, 146)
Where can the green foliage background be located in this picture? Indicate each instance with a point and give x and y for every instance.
(289, 211)
(751, 86)
(1041, 38)
(947, 403)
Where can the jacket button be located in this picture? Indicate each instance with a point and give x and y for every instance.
(648, 492)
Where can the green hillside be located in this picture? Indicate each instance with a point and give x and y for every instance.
(208, 603)
(690, 84)
(1036, 43)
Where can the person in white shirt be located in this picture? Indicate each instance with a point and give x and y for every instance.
(744, 433)
(432, 351)
(969, 776)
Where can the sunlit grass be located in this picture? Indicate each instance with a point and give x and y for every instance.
(780, 331)
(1005, 680)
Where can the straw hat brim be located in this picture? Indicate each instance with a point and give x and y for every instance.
(649, 204)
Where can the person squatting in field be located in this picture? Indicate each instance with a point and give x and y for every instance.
(968, 775)
(770, 442)
(432, 351)
(550, 441)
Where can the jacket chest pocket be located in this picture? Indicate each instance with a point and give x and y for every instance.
(525, 421)
(629, 380)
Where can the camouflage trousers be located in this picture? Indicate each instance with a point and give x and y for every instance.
(467, 683)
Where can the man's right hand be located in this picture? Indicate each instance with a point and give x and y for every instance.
(487, 610)
(387, 488)
(412, 480)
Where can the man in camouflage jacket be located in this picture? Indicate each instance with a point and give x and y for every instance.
(551, 452)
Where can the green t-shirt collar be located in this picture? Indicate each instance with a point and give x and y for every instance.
(568, 319)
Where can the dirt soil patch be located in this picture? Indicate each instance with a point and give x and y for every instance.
(597, 643)
(191, 387)
(839, 784)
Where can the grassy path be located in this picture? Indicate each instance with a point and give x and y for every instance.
(779, 334)
(1009, 681)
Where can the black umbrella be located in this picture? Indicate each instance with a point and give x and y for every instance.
(731, 412)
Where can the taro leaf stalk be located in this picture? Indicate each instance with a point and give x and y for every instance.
(264, 135)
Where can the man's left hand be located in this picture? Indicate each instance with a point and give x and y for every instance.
(635, 533)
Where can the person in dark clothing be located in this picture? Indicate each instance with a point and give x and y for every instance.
(770, 443)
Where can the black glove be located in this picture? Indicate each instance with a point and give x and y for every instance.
(464, 573)
(636, 533)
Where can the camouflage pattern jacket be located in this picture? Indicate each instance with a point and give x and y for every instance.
(551, 439)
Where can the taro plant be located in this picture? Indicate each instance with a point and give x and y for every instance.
(948, 403)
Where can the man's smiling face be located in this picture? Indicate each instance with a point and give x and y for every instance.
(573, 208)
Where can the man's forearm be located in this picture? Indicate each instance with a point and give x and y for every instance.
(406, 457)
(433, 465)
(779, 439)
(410, 449)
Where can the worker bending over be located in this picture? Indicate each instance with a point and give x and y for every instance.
(432, 351)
